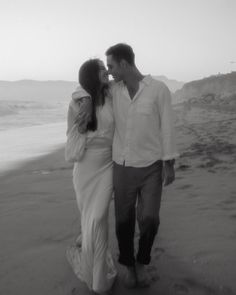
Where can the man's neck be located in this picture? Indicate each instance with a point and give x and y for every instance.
(133, 78)
(132, 81)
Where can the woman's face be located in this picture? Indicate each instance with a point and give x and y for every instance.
(103, 73)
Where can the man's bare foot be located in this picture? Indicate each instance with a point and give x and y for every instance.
(143, 279)
(130, 277)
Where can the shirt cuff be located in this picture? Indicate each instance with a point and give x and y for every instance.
(170, 157)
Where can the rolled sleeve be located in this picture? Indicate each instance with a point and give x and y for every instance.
(169, 149)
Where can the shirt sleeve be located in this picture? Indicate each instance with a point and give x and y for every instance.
(77, 111)
(76, 141)
(81, 108)
(70, 119)
(169, 150)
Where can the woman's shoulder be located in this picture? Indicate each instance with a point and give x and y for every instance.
(79, 97)
(79, 93)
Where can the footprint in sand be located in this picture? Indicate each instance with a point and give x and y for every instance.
(228, 204)
(179, 177)
(204, 208)
(193, 286)
(202, 257)
(211, 171)
(192, 195)
(152, 270)
(230, 200)
(180, 288)
(224, 290)
(185, 186)
(183, 167)
(158, 252)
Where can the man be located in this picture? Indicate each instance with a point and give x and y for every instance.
(143, 155)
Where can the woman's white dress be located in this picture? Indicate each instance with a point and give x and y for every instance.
(92, 178)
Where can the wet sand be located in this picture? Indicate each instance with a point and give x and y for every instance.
(194, 252)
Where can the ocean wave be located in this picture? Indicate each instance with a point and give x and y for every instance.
(16, 107)
(6, 110)
(18, 114)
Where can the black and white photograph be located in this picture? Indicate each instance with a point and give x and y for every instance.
(118, 147)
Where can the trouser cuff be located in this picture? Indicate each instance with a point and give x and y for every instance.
(143, 260)
(126, 262)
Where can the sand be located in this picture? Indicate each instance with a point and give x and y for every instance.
(195, 251)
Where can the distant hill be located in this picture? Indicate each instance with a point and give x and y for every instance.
(36, 90)
(214, 90)
(53, 90)
(173, 85)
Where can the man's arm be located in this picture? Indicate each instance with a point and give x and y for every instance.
(168, 136)
(84, 114)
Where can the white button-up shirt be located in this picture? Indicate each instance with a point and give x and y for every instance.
(143, 125)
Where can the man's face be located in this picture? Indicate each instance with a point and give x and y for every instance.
(114, 68)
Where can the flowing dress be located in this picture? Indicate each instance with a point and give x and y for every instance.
(92, 178)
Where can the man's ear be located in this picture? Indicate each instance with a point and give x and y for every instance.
(123, 63)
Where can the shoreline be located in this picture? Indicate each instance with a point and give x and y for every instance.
(27, 143)
(30, 126)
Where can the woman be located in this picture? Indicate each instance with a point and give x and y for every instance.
(90, 112)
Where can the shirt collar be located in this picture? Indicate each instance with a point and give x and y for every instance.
(146, 80)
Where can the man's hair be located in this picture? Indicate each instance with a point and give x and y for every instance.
(122, 51)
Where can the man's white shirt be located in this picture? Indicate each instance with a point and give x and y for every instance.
(144, 131)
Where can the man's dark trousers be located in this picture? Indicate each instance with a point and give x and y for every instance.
(141, 186)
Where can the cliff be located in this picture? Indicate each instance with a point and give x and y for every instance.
(214, 90)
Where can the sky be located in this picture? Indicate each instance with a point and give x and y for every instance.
(182, 39)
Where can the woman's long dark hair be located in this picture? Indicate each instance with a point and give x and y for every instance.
(89, 80)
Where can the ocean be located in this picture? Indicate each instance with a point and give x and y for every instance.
(29, 129)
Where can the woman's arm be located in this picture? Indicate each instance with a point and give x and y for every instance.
(77, 121)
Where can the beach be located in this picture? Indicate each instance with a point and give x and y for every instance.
(194, 252)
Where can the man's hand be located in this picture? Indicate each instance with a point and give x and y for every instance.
(84, 115)
(85, 104)
(82, 120)
(168, 174)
